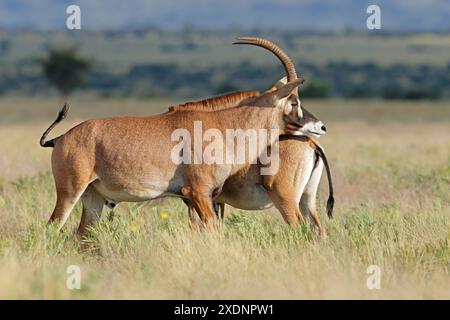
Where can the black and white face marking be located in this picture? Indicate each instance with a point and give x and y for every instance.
(312, 127)
(292, 103)
(301, 122)
(295, 103)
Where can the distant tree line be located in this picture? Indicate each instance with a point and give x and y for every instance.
(335, 79)
(66, 71)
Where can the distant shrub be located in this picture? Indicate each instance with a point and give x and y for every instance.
(392, 91)
(422, 93)
(316, 89)
(64, 69)
(359, 91)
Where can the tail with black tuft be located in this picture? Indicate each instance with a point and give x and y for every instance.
(330, 206)
(50, 143)
(330, 201)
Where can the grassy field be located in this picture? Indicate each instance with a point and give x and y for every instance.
(391, 166)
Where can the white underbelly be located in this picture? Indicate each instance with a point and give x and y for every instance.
(255, 198)
(138, 192)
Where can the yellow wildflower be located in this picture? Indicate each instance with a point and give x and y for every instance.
(132, 229)
(163, 215)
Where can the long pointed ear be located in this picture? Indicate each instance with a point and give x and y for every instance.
(287, 89)
(270, 99)
(277, 85)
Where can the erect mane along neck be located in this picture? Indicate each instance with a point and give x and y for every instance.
(216, 103)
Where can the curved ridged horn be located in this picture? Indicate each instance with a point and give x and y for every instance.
(276, 50)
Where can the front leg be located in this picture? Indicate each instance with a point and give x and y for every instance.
(201, 200)
(220, 210)
(194, 219)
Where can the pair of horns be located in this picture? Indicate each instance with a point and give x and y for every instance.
(288, 65)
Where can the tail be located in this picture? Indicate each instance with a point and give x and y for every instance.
(330, 201)
(50, 143)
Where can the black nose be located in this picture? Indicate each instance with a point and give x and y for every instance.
(324, 128)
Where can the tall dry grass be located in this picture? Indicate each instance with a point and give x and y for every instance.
(391, 166)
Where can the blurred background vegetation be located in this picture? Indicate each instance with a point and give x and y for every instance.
(197, 63)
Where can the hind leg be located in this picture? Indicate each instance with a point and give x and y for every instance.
(308, 206)
(308, 199)
(72, 175)
(92, 209)
(287, 204)
(68, 192)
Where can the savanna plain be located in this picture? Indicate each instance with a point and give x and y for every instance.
(391, 169)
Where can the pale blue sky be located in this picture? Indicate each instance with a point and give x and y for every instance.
(321, 15)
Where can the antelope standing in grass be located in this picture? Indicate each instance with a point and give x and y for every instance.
(130, 158)
(293, 188)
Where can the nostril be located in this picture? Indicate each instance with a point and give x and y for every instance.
(324, 128)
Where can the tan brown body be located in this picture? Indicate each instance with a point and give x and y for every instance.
(129, 159)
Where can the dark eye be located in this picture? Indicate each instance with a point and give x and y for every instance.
(294, 103)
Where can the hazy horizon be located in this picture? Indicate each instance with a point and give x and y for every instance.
(284, 15)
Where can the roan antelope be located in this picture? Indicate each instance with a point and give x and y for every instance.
(129, 158)
(293, 188)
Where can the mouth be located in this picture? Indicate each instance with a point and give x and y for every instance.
(315, 133)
